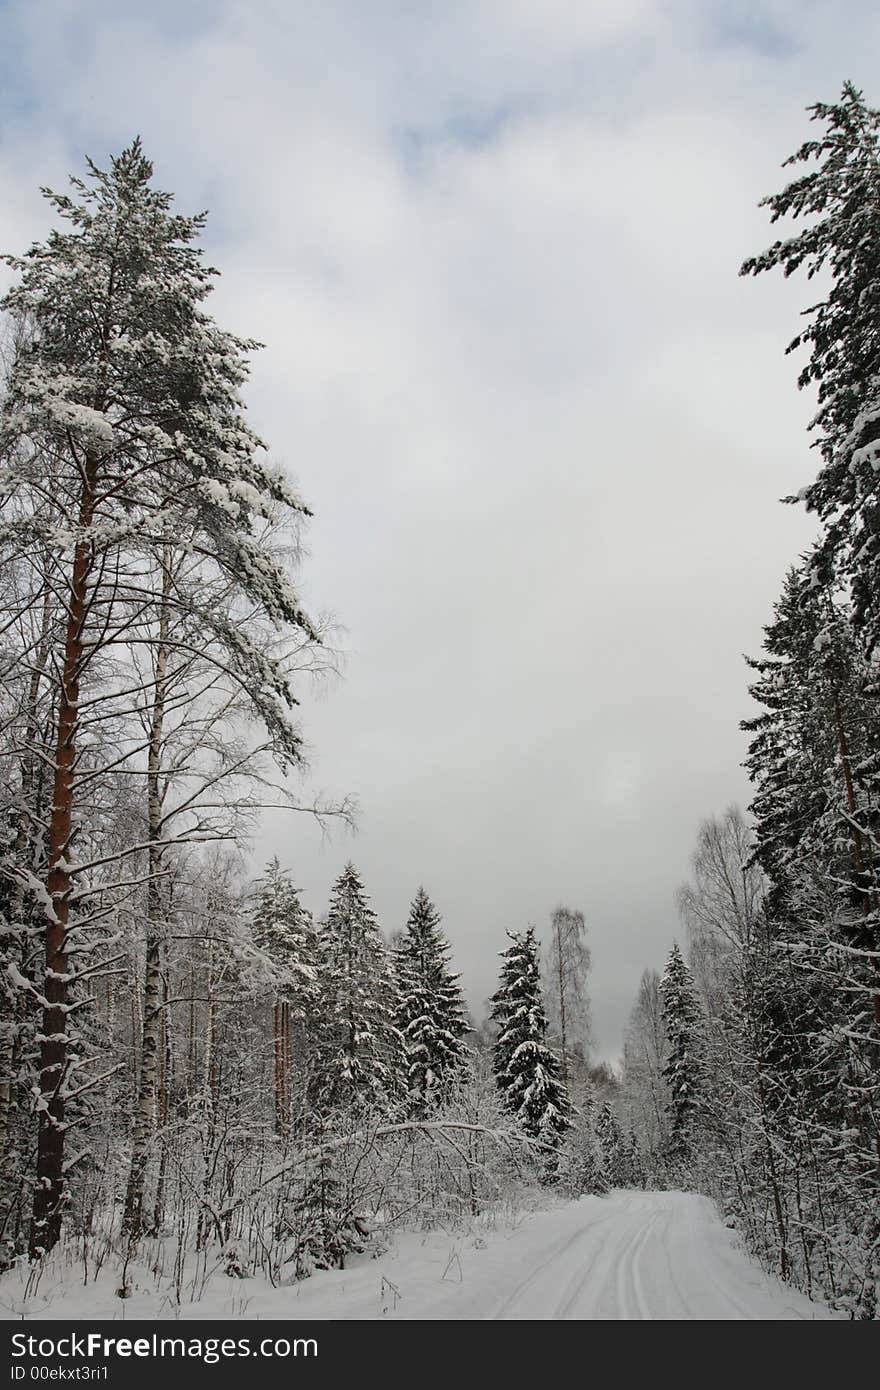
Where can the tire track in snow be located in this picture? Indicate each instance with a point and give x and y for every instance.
(535, 1278)
(683, 1249)
(652, 1256)
(671, 1282)
(589, 1275)
(720, 1271)
(628, 1256)
(607, 1282)
(631, 1273)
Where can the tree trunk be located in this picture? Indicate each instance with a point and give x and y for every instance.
(210, 1075)
(145, 1110)
(285, 1027)
(561, 963)
(14, 1010)
(860, 867)
(858, 855)
(55, 1037)
(281, 1030)
(191, 1083)
(163, 1110)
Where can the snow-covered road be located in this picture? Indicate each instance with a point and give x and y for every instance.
(650, 1255)
(631, 1255)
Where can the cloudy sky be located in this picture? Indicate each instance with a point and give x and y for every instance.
(492, 248)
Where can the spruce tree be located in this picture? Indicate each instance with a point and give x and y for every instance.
(360, 1056)
(612, 1148)
(430, 1012)
(683, 1071)
(526, 1071)
(839, 195)
(814, 1014)
(814, 741)
(284, 933)
(824, 910)
(581, 1167)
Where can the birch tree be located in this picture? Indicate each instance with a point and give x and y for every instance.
(567, 989)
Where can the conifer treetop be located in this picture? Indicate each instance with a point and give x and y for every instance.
(122, 378)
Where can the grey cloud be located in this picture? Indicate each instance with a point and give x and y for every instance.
(492, 250)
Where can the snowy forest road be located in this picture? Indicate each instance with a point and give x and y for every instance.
(628, 1256)
(651, 1255)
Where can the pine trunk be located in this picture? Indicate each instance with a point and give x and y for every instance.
(55, 1037)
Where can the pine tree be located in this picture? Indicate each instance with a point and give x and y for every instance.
(683, 1071)
(430, 1011)
(360, 1053)
(122, 435)
(526, 1071)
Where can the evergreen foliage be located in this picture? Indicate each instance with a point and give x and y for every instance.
(683, 1072)
(613, 1148)
(526, 1071)
(430, 1012)
(581, 1167)
(360, 1052)
(285, 936)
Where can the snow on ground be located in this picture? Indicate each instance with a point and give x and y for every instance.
(630, 1255)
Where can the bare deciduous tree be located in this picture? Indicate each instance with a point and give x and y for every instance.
(567, 990)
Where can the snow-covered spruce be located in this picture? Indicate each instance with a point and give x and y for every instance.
(430, 1012)
(838, 197)
(526, 1071)
(581, 1164)
(360, 1051)
(613, 1149)
(807, 1007)
(684, 1070)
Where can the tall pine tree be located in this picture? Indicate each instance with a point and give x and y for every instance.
(123, 438)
